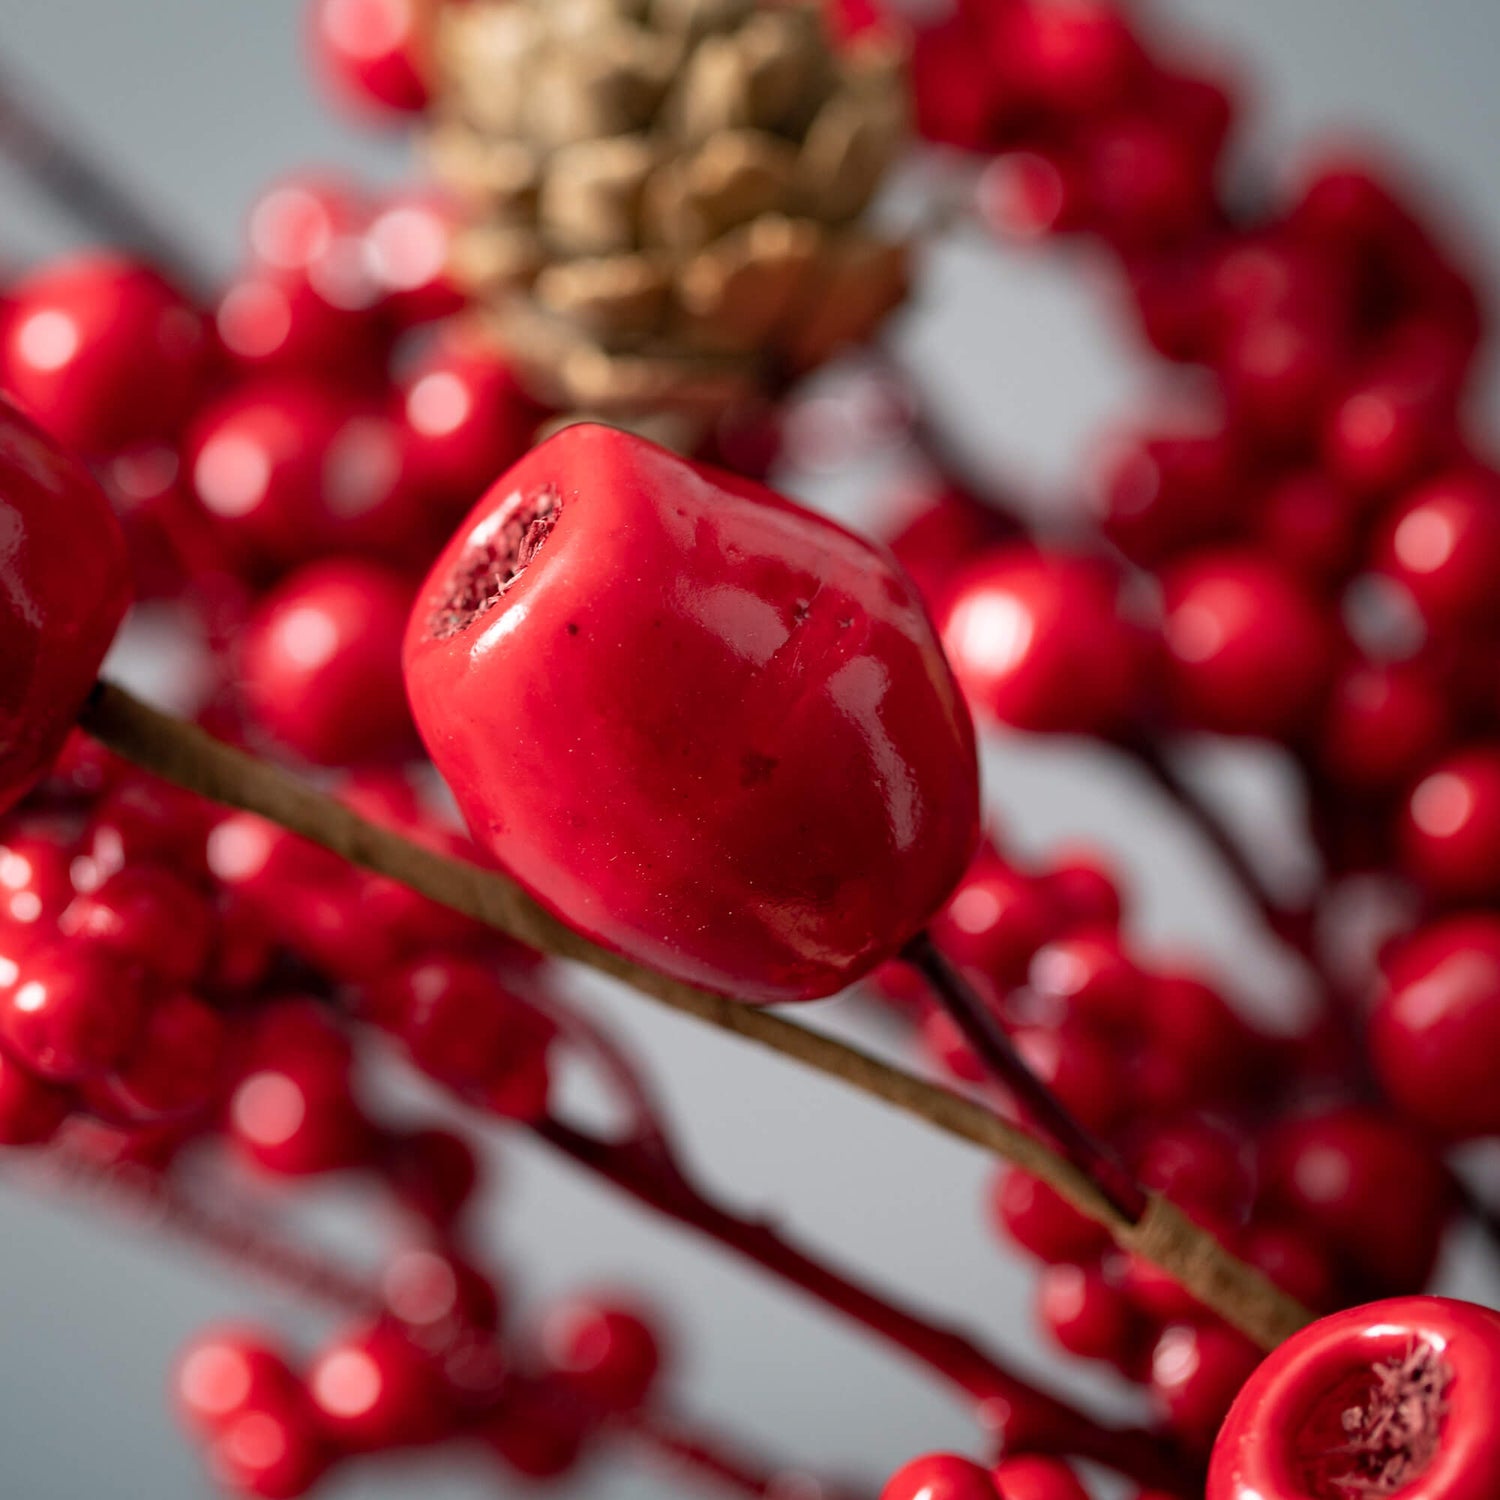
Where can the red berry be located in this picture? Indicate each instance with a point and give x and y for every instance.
(940, 1476)
(371, 54)
(321, 322)
(1451, 826)
(1089, 979)
(1311, 524)
(944, 527)
(102, 352)
(1377, 1197)
(1039, 642)
(536, 1432)
(1442, 544)
(434, 1172)
(1383, 723)
(1435, 1031)
(1394, 1398)
(322, 663)
(1039, 1219)
(174, 1068)
(723, 736)
(1248, 650)
(1197, 1370)
(407, 249)
(228, 1371)
(1086, 1314)
(145, 821)
(608, 1353)
(1085, 889)
(31, 1112)
(995, 920)
(1198, 1165)
(1032, 1477)
(273, 1452)
(60, 603)
(374, 1389)
(72, 1013)
(431, 1292)
(296, 222)
(148, 916)
(1293, 1260)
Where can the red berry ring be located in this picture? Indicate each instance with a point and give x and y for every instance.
(1395, 1398)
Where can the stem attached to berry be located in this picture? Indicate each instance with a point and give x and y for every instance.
(1009, 1069)
(183, 754)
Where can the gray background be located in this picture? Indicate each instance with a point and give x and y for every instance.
(204, 101)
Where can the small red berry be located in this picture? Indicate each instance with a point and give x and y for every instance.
(1443, 545)
(322, 663)
(375, 1389)
(371, 54)
(227, 1371)
(1197, 1371)
(1383, 722)
(996, 920)
(1032, 1477)
(72, 1012)
(940, 1476)
(31, 1111)
(1039, 1219)
(1088, 1315)
(1451, 826)
(407, 250)
(607, 1352)
(102, 352)
(147, 915)
(175, 1067)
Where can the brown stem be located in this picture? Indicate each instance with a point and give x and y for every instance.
(183, 754)
(63, 169)
(1031, 1419)
(1007, 1067)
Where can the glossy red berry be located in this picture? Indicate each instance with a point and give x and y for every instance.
(175, 1067)
(1039, 1219)
(1442, 544)
(407, 250)
(434, 1293)
(273, 1452)
(1039, 642)
(148, 916)
(1197, 1371)
(1450, 829)
(72, 1012)
(1032, 1477)
(1384, 722)
(536, 1432)
(608, 1352)
(940, 1476)
(102, 352)
(1089, 979)
(60, 604)
(943, 528)
(1249, 651)
(374, 1389)
(322, 664)
(227, 1371)
(1435, 1030)
(371, 54)
(709, 729)
(1395, 1398)
(434, 1172)
(1339, 1173)
(996, 920)
(31, 1111)
(1087, 1314)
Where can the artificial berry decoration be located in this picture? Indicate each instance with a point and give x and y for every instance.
(60, 603)
(1394, 1398)
(1435, 1030)
(71, 1013)
(939, 1476)
(103, 353)
(707, 728)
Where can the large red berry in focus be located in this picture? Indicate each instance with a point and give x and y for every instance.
(1039, 642)
(370, 54)
(322, 663)
(102, 352)
(1394, 1398)
(1435, 1031)
(707, 728)
(1248, 649)
(60, 601)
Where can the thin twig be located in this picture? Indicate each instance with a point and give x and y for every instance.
(183, 754)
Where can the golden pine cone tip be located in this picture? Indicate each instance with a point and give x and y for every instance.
(667, 198)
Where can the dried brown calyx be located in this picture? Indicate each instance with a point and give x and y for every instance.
(1393, 1435)
(490, 568)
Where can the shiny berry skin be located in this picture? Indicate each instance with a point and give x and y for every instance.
(31, 1111)
(273, 1452)
(296, 222)
(1197, 1371)
(407, 250)
(467, 418)
(1088, 978)
(1039, 1219)
(1338, 1173)
(1435, 1030)
(60, 603)
(374, 1389)
(227, 1371)
(1038, 642)
(605, 1351)
(432, 1293)
(321, 664)
(370, 55)
(710, 730)
(1443, 545)
(943, 530)
(1450, 829)
(102, 352)
(1087, 1315)
(323, 321)
(72, 1013)
(1249, 651)
(1396, 1397)
(1032, 1477)
(939, 1476)
(147, 915)
(996, 920)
